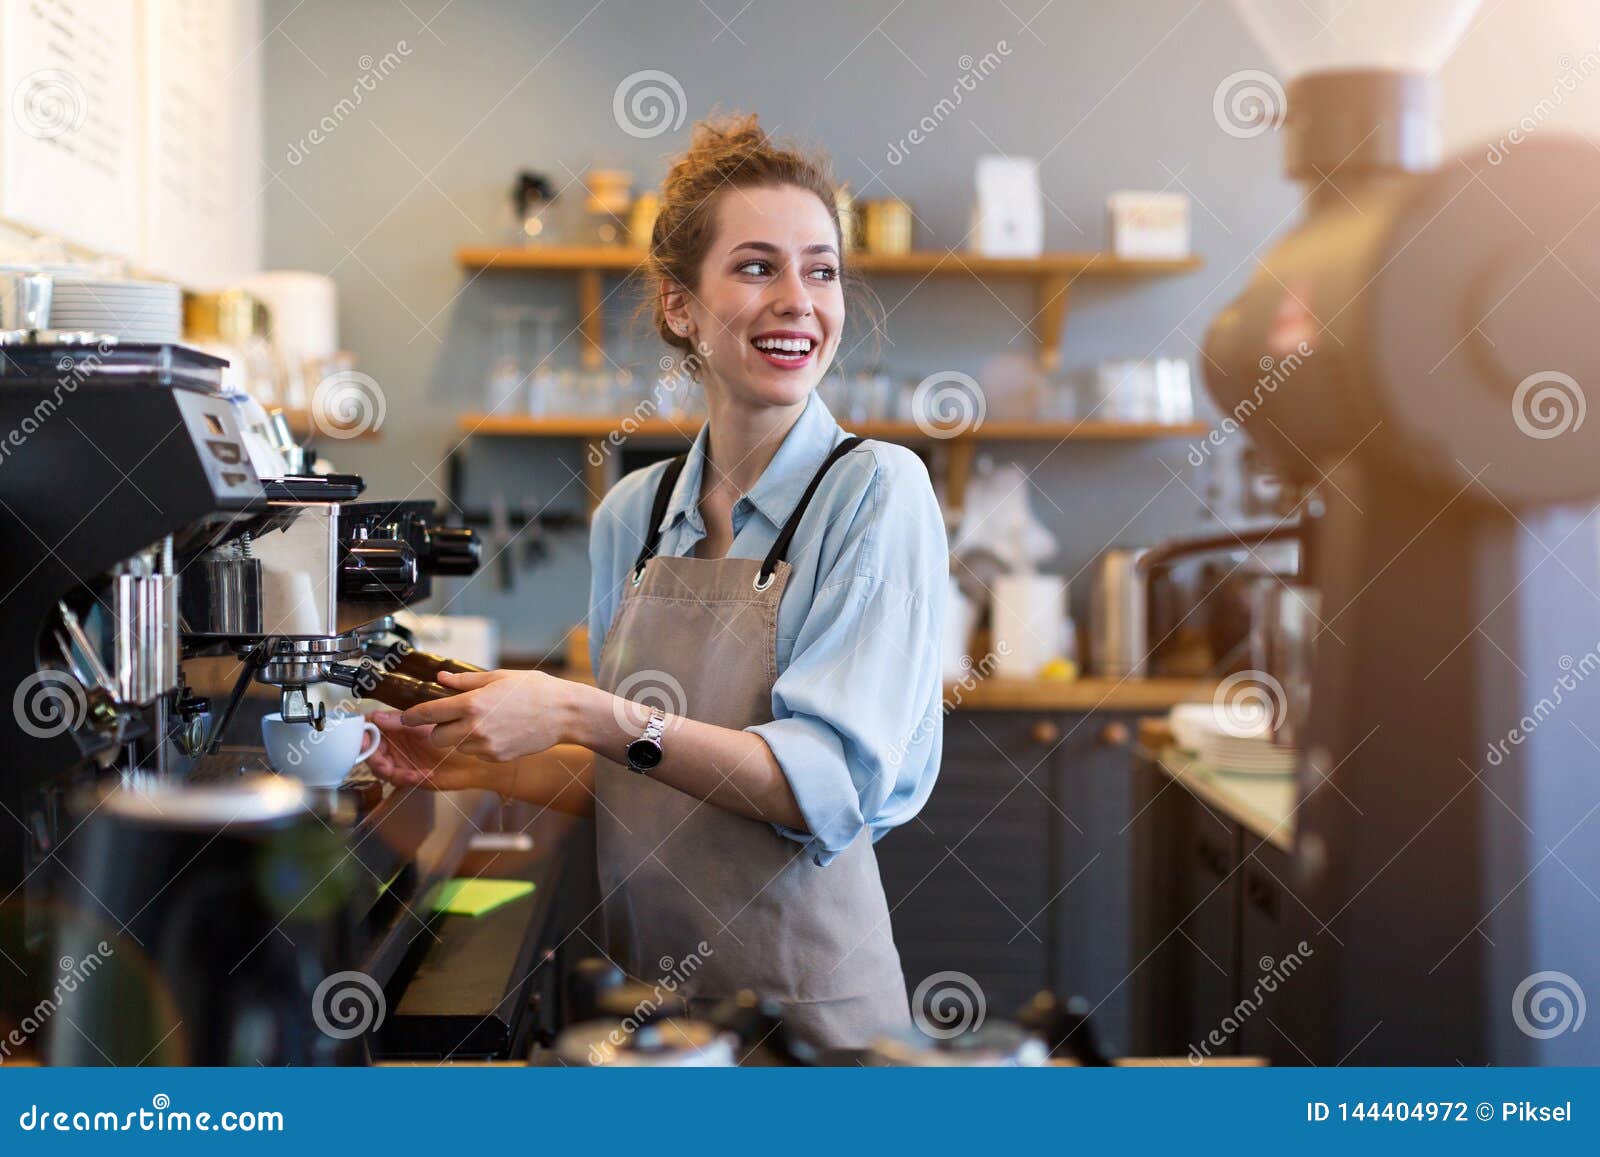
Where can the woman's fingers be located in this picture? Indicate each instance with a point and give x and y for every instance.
(439, 710)
(456, 736)
(468, 680)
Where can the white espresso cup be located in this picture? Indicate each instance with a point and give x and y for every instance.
(319, 758)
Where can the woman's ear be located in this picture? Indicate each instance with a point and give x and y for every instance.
(675, 308)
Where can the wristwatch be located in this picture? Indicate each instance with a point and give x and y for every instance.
(644, 753)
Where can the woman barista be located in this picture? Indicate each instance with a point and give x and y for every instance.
(781, 590)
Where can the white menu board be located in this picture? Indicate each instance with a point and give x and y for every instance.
(202, 174)
(133, 128)
(69, 143)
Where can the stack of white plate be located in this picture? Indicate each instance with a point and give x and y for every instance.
(1244, 746)
(1257, 756)
(138, 311)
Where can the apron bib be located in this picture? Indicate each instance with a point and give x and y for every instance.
(696, 897)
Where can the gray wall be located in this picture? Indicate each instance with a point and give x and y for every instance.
(1111, 96)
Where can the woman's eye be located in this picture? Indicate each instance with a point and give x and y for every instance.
(753, 268)
(825, 273)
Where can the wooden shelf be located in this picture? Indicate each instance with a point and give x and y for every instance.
(601, 426)
(1091, 693)
(932, 262)
(1052, 276)
(955, 453)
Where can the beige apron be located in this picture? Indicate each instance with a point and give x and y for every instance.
(700, 900)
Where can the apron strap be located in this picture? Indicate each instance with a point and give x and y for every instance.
(780, 547)
(669, 479)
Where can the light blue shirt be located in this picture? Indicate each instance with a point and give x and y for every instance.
(857, 720)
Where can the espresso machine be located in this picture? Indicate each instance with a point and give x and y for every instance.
(150, 519)
(1441, 314)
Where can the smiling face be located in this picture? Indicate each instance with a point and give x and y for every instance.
(769, 307)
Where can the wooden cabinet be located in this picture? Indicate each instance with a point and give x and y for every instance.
(1207, 932)
(1216, 929)
(969, 880)
(1095, 880)
(1018, 871)
(1050, 855)
(1272, 966)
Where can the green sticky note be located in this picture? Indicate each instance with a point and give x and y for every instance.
(461, 897)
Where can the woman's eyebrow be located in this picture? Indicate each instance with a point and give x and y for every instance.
(769, 247)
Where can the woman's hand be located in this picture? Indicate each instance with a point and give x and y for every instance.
(408, 758)
(495, 715)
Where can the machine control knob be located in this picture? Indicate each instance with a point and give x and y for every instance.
(378, 567)
(450, 550)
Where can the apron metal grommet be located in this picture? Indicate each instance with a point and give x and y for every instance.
(764, 581)
(637, 575)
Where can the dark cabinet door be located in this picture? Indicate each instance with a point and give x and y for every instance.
(1186, 920)
(1277, 947)
(968, 880)
(1159, 855)
(1209, 929)
(1094, 882)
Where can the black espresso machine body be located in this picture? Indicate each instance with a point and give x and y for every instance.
(1437, 324)
(143, 852)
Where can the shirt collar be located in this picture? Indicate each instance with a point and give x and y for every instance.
(777, 492)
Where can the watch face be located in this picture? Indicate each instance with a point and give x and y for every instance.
(643, 754)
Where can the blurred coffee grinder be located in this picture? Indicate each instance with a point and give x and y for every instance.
(1442, 316)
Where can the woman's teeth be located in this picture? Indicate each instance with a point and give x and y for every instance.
(797, 348)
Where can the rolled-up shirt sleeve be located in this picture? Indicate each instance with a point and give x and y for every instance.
(857, 722)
